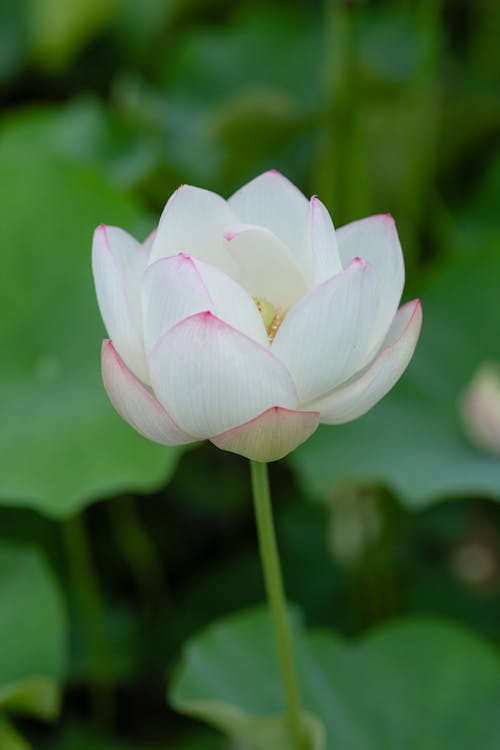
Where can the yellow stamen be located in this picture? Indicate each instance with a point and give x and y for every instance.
(272, 317)
(273, 327)
(266, 309)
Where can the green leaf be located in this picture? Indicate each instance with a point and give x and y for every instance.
(222, 682)
(257, 733)
(402, 672)
(370, 695)
(84, 131)
(85, 737)
(37, 696)
(32, 634)
(61, 443)
(60, 29)
(212, 63)
(10, 739)
(413, 441)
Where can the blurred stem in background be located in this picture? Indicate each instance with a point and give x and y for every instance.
(343, 169)
(483, 49)
(140, 553)
(334, 171)
(89, 606)
(277, 601)
(423, 102)
(362, 530)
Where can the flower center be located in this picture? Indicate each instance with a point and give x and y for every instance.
(272, 317)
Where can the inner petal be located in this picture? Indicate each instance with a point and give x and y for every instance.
(193, 222)
(267, 268)
(272, 201)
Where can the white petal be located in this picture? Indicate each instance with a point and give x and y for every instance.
(324, 249)
(273, 202)
(376, 240)
(210, 377)
(271, 435)
(268, 269)
(193, 222)
(172, 290)
(232, 303)
(117, 263)
(175, 288)
(357, 397)
(324, 338)
(135, 404)
(148, 243)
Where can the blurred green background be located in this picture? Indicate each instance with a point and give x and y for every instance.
(107, 106)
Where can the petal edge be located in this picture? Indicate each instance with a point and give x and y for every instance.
(114, 279)
(356, 398)
(270, 436)
(376, 240)
(135, 404)
(323, 242)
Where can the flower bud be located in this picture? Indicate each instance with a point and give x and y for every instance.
(480, 408)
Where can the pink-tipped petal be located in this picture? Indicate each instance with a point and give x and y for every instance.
(323, 242)
(117, 264)
(324, 339)
(270, 436)
(180, 286)
(268, 268)
(210, 377)
(356, 398)
(193, 222)
(273, 202)
(376, 240)
(135, 404)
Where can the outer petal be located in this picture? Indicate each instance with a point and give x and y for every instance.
(193, 222)
(323, 242)
(272, 201)
(135, 404)
(210, 377)
(117, 263)
(267, 267)
(177, 287)
(357, 397)
(324, 339)
(271, 435)
(376, 240)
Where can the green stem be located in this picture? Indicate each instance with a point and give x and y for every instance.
(90, 610)
(276, 597)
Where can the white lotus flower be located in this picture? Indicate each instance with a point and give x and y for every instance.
(250, 321)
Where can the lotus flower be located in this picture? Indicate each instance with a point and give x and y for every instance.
(250, 321)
